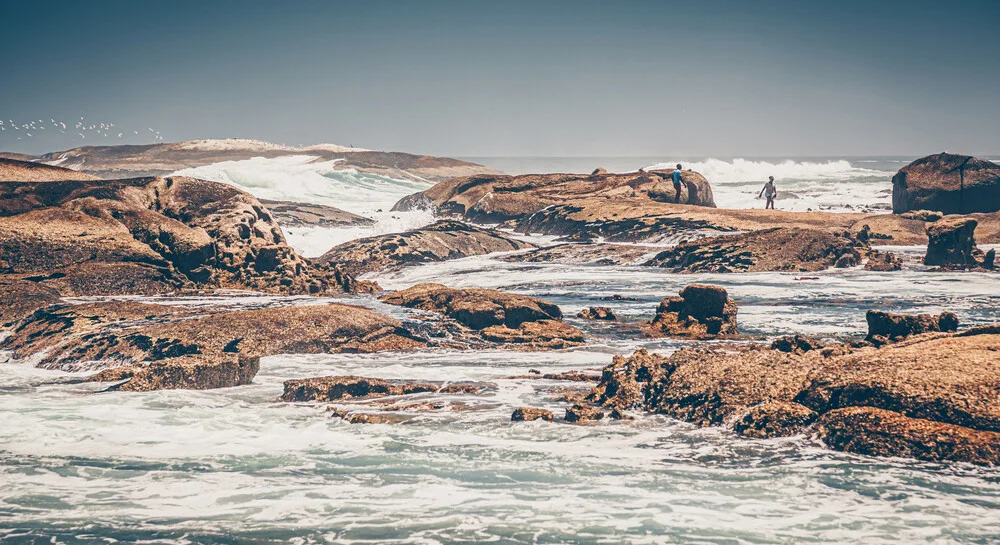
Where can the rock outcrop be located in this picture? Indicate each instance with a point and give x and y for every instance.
(150, 235)
(441, 241)
(597, 313)
(951, 243)
(586, 254)
(497, 316)
(779, 249)
(886, 327)
(933, 396)
(700, 311)
(13, 170)
(299, 214)
(493, 199)
(527, 414)
(336, 388)
(880, 261)
(158, 346)
(952, 184)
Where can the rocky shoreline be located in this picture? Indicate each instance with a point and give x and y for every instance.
(916, 386)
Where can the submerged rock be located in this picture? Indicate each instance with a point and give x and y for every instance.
(583, 413)
(441, 241)
(701, 311)
(883, 262)
(953, 184)
(596, 254)
(779, 249)
(597, 313)
(352, 387)
(300, 214)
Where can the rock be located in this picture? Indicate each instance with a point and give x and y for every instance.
(598, 172)
(498, 316)
(498, 198)
(700, 311)
(21, 298)
(886, 327)
(13, 170)
(780, 249)
(883, 262)
(922, 215)
(951, 243)
(778, 419)
(161, 159)
(369, 418)
(796, 344)
(189, 373)
(352, 387)
(582, 413)
(877, 432)
(526, 414)
(441, 241)
(953, 184)
(151, 235)
(623, 383)
(597, 313)
(299, 214)
(591, 254)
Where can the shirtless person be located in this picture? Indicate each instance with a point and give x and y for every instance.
(769, 192)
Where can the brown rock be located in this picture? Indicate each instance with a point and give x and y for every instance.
(797, 344)
(953, 184)
(299, 214)
(878, 432)
(14, 170)
(623, 384)
(597, 313)
(778, 419)
(188, 372)
(525, 414)
(583, 413)
(441, 241)
(700, 311)
(886, 327)
(596, 254)
(883, 262)
(780, 249)
(353, 387)
(951, 243)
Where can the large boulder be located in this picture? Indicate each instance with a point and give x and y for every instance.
(885, 327)
(167, 233)
(778, 249)
(497, 198)
(441, 241)
(951, 243)
(701, 311)
(952, 184)
(498, 316)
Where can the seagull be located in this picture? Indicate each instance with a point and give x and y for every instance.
(82, 136)
(28, 133)
(119, 135)
(137, 132)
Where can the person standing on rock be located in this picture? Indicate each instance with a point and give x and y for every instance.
(769, 192)
(677, 183)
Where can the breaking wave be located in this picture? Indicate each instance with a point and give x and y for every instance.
(743, 170)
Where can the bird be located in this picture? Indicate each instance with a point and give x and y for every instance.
(28, 133)
(82, 136)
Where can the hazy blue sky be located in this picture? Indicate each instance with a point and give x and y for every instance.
(514, 78)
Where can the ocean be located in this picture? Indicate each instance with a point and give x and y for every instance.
(236, 465)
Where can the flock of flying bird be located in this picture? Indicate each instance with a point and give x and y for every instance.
(81, 127)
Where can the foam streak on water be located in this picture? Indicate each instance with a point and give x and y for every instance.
(235, 465)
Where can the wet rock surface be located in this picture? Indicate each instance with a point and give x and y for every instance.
(441, 241)
(527, 414)
(334, 388)
(880, 261)
(932, 396)
(597, 254)
(952, 184)
(498, 316)
(597, 313)
(777, 249)
(886, 327)
(701, 310)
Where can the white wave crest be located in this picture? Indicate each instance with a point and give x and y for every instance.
(743, 170)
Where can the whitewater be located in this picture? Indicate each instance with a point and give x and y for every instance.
(236, 465)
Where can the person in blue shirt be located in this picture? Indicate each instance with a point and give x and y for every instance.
(677, 183)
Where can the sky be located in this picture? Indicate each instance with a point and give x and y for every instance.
(512, 78)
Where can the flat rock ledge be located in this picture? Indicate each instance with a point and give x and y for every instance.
(334, 388)
(497, 316)
(442, 241)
